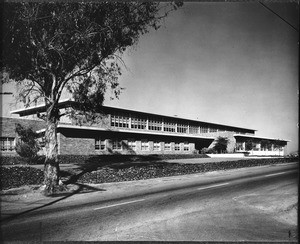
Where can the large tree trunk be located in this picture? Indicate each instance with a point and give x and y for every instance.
(51, 168)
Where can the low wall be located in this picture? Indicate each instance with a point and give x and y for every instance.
(266, 153)
(227, 155)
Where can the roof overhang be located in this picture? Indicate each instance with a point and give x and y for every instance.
(259, 137)
(88, 128)
(69, 102)
(40, 108)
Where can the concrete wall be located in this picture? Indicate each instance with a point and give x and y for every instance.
(266, 153)
(228, 135)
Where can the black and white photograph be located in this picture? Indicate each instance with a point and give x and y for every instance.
(149, 121)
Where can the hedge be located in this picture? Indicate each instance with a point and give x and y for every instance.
(81, 159)
(16, 176)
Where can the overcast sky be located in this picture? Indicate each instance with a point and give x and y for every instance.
(229, 63)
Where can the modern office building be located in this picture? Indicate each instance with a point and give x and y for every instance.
(123, 131)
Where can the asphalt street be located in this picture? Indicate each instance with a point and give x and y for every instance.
(231, 208)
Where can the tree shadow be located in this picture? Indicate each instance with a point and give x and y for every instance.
(114, 161)
(82, 188)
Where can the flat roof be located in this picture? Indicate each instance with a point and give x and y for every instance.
(68, 102)
(259, 137)
(78, 127)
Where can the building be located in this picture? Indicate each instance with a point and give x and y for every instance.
(8, 132)
(123, 131)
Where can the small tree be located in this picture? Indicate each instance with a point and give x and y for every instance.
(279, 144)
(221, 144)
(26, 145)
(249, 145)
(265, 144)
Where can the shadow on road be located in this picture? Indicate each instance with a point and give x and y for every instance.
(82, 188)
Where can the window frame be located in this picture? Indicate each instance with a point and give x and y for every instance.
(144, 145)
(7, 144)
(100, 145)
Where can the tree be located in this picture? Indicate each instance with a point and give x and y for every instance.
(221, 144)
(265, 144)
(249, 145)
(50, 49)
(26, 145)
(278, 144)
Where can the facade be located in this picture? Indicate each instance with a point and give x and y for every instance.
(8, 132)
(123, 131)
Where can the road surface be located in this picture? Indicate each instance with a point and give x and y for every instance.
(239, 207)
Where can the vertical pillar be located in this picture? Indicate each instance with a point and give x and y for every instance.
(129, 121)
(147, 123)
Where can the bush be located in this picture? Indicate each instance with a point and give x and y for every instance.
(82, 159)
(17, 160)
(17, 176)
(26, 145)
(211, 151)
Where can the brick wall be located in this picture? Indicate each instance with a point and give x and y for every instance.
(8, 125)
(79, 145)
(75, 146)
(102, 122)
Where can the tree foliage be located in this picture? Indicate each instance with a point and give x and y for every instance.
(26, 145)
(278, 144)
(221, 144)
(71, 49)
(249, 145)
(76, 48)
(265, 144)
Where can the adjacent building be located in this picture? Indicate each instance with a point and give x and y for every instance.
(124, 131)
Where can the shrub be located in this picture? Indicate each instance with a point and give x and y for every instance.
(17, 176)
(17, 160)
(221, 144)
(26, 145)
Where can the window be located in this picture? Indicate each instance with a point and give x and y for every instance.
(167, 146)
(117, 145)
(181, 128)
(194, 129)
(145, 145)
(99, 144)
(132, 144)
(177, 146)
(169, 126)
(213, 130)
(156, 146)
(203, 129)
(138, 123)
(155, 124)
(7, 143)
(239, 146)
(119, 120)
(186, 146)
